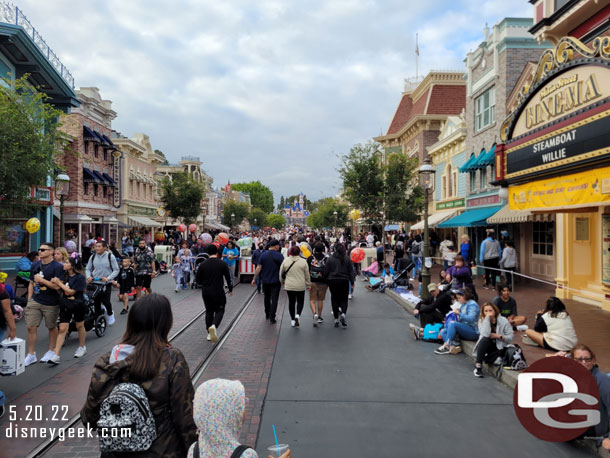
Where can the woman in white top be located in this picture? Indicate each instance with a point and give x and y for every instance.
(554, 329)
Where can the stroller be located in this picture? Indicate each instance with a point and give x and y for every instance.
(97, 323)
(403, 267)
(198, 260)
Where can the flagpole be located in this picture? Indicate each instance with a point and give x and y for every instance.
(416, 58)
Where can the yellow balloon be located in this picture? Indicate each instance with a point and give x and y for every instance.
(354, 214)
(305, 250)
(33, 225)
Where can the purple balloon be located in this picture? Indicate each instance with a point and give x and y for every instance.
(70, 246)
(207, 238)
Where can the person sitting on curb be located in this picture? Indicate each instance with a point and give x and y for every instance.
(370, 271)
(387, 279)
(585, 356)
(554, 329)
(465, 327)
(431, 310)
(495, 333)
(508, 308)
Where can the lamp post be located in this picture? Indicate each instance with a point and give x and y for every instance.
(255, 222)
(62, 187)
(232, 220)
(335, 215)
(426, 172)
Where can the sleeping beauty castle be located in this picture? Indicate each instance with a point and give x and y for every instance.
(297, 213)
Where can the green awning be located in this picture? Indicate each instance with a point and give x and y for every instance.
(485, 159)
(468, 164)
(472, 218)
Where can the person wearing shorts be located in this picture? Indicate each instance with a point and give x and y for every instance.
(72, 307)
(125, 281)
(317, 293)
(43, 302)
(145, 267)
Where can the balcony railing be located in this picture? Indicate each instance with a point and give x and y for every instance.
(191, 158)
(10, 14)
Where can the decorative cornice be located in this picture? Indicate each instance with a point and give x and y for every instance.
(552, 62)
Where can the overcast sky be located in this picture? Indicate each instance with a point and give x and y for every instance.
(263, 90)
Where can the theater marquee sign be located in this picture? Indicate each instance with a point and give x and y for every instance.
(563, 118)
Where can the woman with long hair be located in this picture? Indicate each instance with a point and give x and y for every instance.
(72, 305)
(460, 276)
(60, 255)
(495, 333)
(339, 273)
(145, 357)
(294, 274)
(554, 329)
(464, 328)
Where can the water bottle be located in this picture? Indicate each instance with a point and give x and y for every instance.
(37, 285)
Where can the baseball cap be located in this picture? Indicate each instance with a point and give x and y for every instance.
(274, 242)
(432, 287)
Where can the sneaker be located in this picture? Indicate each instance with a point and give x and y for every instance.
(342, 319)
(110, 319)
(177, 289)
(350, 296)
(478, 371)
(292, 323)
(80, 352)
(296, 320)
(212, 331)
(320, 320)
(124, 311)
(527, 341)
(208, 338)
(336, 323)
(415, 331)
(522, 327)
(315, 320)
(55, 360)
(184, 287)
(47, 356)
(455, 349)
(485, 287)
(30, 359)
(442, 350)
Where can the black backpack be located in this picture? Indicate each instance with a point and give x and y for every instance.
(236, 453)
(514, 359)
(126, 409)
(316, 268)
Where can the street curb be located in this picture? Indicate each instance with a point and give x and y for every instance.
(508, 377)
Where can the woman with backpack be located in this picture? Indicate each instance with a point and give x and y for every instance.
(155, 374)
(416, 254)
(317, 293)
(495, 333)
(294, 274)
(339, 273)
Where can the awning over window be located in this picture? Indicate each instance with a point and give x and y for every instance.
(89, 135)
(90, 177)
(100, 177)
(109, 141)
(472, 218)
(101, 138)
(142, 221)
(392, 227)
(485, 159)
(222, 227)
(467, 166)
(434, 220)
(506, 215)
(109, 179)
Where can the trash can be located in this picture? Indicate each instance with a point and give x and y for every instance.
(165, 253)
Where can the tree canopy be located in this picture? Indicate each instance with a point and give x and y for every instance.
(324, 216)
(276, 221)
(29, 140)
(257, 217)
(238, 209)
(181, 196)
(260, 195)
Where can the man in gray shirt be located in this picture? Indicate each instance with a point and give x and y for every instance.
(102, 267)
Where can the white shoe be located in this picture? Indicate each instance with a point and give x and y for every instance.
(30, 359)
(55, 360)
(47, 356)
(315, 320)
(292, 323)
(110, 319)
(212, 331)
(209, 338)
(80, 352)
(522, 327)
(350, 297)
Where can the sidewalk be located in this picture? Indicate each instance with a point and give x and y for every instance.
(592, 323)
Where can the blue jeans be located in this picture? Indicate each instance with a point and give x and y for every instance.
(417, 268)
(259, 284)
(462, 330)
(368, 274)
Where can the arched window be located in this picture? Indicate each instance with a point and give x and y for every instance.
(450, 181)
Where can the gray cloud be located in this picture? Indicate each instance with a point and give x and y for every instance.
(268, 90)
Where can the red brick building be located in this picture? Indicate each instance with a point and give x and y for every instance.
(93, 165)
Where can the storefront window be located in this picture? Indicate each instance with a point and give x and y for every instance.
(483, 177)
(543, 238)
(13, 237)
(484, 107)
(473, 181)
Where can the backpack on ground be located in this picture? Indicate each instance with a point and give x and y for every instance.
(431, 332)
(514, 358)
(316, 268)
(126, 421)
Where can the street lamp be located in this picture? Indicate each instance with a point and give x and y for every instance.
(335, 215)
(255, 222)
(62, 187)
(426, 172)
(232, 220)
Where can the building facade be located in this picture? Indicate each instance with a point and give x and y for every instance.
(21, 54)
(556, 158)
(491, 73)
(93, 164)
(139, 202)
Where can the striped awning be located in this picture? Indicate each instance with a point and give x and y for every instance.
(506, 215)
(434, 220)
